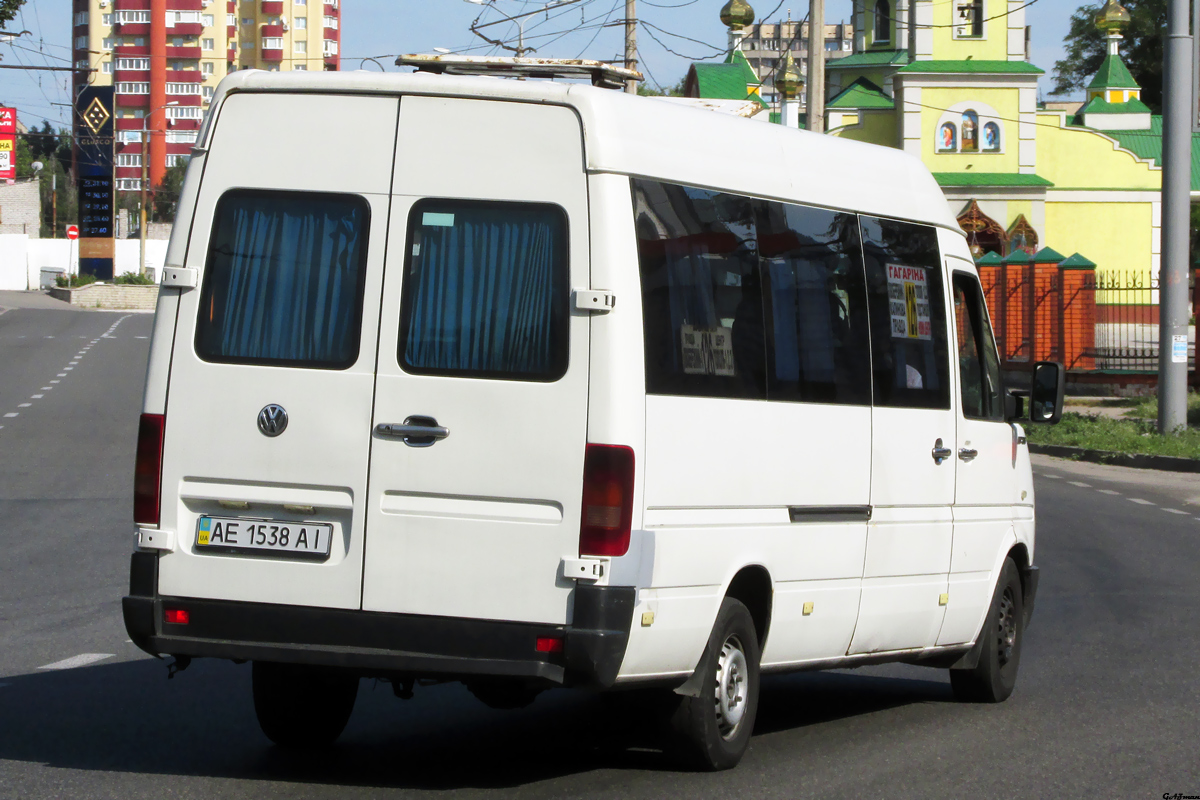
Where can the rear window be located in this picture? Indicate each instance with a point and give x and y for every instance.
(283, 282)
(485, 291)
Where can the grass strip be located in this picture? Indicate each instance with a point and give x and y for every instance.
(1095, 432)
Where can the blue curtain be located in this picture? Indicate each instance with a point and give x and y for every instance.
(284, 280)
(484, 291)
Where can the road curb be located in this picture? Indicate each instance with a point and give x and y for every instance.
(1136, 460)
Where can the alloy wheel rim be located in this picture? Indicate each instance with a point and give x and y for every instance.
(732, 687)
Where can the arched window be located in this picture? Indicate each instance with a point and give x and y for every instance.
(883, 21)
(970, 131)
(947, 138)
(991, 137)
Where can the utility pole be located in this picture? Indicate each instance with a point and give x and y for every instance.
(816, 66)
(54, 205)
(1178, 110)
(142, 212)
(631, 42)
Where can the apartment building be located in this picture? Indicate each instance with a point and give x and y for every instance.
(765, 44)
(164, 59)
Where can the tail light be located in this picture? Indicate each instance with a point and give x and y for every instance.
(177, 616)
(147, 472)
(607, 500)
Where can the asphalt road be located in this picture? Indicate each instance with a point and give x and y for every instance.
(1106, 704)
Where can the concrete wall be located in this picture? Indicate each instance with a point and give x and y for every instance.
(107, 295)
(22, 258)
(21, 208)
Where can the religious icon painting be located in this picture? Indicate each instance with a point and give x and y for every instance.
(948, 137)
(991, 136)
(970, 131)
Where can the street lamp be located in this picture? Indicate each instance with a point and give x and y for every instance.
(519, 19)
(145, 180)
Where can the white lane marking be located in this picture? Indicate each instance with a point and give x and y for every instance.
(56, 381)
(141, 337)
(1175, 511)
(36, 396)
(73, 363)
(1080, 484)
(11, 414)
(62, 374)
(81, 660)
(49, 337)
(47, 388)
(24, 405)
(1108, 491)
(1140, 501)
(1055, 477)
(68, 369)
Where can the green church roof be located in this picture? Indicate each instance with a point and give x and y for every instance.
(1048, 254)
(861, 94)
(1113, 74)
(990, 259)
(1077, 261)
(871, 58)
(971, 67)
(728, 81)
(1148, 144)
(988, 179)
(1098, 105)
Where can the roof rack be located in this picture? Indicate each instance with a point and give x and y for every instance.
(601, 74)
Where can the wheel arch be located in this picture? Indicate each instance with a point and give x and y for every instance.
(752, 586)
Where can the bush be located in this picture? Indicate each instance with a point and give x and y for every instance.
(134, 279)
(74, 281)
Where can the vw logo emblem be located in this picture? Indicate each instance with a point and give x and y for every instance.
(272, 420)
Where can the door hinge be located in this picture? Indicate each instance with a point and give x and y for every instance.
(592, 300)
(585, 569)
(148, 539)
(179, 277)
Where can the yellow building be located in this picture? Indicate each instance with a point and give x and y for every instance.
(164, 59)
(956, 89)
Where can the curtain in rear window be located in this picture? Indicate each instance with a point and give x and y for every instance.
(283, 283)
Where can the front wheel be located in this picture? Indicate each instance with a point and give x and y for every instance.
(302, 707)
(993, 679)
(713, 729)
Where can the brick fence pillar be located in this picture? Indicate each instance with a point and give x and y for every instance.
(1017, 272)
(1077, 287)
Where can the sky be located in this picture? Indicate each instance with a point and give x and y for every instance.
(676, 33)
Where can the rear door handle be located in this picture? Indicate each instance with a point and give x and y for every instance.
(415, 431)
(967, 454)
(940, 452)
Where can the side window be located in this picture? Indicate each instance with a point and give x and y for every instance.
(979, 366)
(816, 303)
(701, 294)
(283, 280)
(485, 291)
(905, 294)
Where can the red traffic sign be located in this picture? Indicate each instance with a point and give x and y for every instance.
(72, 232)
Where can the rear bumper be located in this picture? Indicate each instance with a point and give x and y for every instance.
(369, 642)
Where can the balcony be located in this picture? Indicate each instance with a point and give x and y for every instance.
(272, 8)
(132, 28)
(186, 29)
(130, 50)
(129, 123)
(132, 5)
(133, 101)
(272, 30)
(184, 76)
(272, 55)
(187, 52)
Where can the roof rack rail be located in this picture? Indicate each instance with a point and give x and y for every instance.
(601, 74)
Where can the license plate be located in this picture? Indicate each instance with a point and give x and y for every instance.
(264, 537)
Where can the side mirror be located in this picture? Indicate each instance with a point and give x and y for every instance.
(1046, 396)
(1014, 406)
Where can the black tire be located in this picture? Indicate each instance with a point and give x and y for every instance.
(712, 731)
(302, 707)
(993, 679)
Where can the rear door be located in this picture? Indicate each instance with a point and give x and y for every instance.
(913, 439)
(285, 318)
(481, 354)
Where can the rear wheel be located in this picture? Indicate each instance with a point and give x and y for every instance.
(994, 678)
(713, 729)
(302, 707)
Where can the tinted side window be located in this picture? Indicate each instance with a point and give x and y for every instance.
(485, 291)
(908, 314)
(816, 305)
(283, 280)
(978, 364)
(701, 295)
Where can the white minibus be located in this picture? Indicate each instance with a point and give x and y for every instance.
(528, 385)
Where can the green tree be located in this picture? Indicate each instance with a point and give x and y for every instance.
(166, 195)
(669, 91)
(1142, 49)
(8, 9)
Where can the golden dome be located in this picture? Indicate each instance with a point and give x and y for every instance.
(1112, 18)
(789, 81)
(737, 14)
